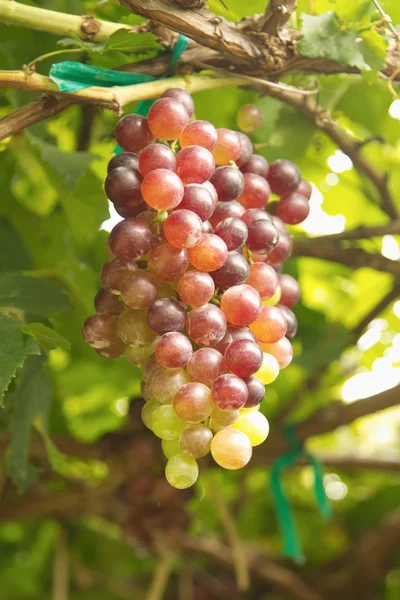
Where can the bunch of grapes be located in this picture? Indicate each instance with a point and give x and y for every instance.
(194, 292)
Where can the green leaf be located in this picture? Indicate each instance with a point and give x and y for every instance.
(324, 36)
(373, 48)
(30, 400)
(37, 296)
(129, 41)
(47, 337)
(13, 254)
(14, 348)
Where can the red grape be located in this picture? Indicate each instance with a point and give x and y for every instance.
(167, 117)
(290, 320)
(283, 176)
(196, 288)
(124, 159)
(262, 236)
(256, 390)
(224, 210)
(228, 182)
(166, 315)
(229, 392)
(254, 214)
(198, 199)
(166, 262)
(132, 133)
(183, 228)
(173, 350)
(194, 164)
(256, 191)
(232, 334)
(241, 304)
(228, 146)
(293, 209)
(290, 290)
(304, 188)
(162, 189)
(233, 232)
(192, 402)
(199, 133)
(156, 156)
(182, 96)
(206, 325)
(270, 326)
(256, 164)
(283, 248)
(106, 302)
(246, 149)
(139, 289)
(209, 253)
(100, 331)
(243, 357)
(206, 365)
(130, 239)
(234, 271)
(113, 273)
(123, 187)
(264, 279)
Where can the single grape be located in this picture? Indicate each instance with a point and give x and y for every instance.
(254, 425)
(114, 350)
(196, 288)
(270, 325)
(234, 271)
(246, 149)
(133, 328)
(199, 133)
(262, 236)
(194, 164)
(222, 418)
(147, 412)
(256, 164)
(166, 315)
(233, 232)
(227, 148)
(281, 350)
(283, 248)
(162, 189)
(229, 392)
(290, 320)
(139, 356)
(290, 290)
(209, 254)
(166, 262)
(228, 182)
(133, 134)
(269, 370)
(123, 187)
(192, 402)
(181, 471)
(173, 350)
(127, 211)
(205, 366)
(232, 334)
(283, 176)
(304, 188)
(183, 228)
(206, 227)
(195, 440)
(210, 188)
(130, 239)
(165, 424)
(264, 279)
(182, 96)
(248, 118)
(197, 199)
(139, 289)
(256, 191)
(243, 357)
(256, 390)
(124, 159)
(100, 331)
(166, 383)
(105, 302)
(241, 304)
(167, 117)
(170, 447)
(231, 449)
(293, 209)
(254, 214)
(206, 325)
(156, 156)
(225, 210)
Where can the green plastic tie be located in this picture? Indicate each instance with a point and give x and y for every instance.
(292, 547)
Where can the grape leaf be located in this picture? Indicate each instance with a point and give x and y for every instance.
(47, 337)
(14, 348)
(37, 296)
(129, 41)
(28, 401)
(324, 36)
(13, 254)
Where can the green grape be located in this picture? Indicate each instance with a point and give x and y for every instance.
(138, 356)
(254, 425)
(269, 370)
(147, 412)
(195, 440)
(222, 418)
(165, 424)
(170, 447)
(181, 471)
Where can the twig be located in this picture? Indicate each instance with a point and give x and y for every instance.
(61, 567)
(375, 312)
(161, 577)
(276, 15)
(88, 114)
(361, 233)
(387, 20)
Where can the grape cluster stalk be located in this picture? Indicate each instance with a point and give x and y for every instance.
(194, 292)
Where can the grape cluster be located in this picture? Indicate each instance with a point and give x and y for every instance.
(194, 292)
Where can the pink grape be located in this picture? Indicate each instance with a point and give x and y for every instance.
(198, 199)
(206, 325)
(304, 188)
(199, 133)
(162, 189)
(130, 239)
(290, 290)
(192, 402)
(114, 350)
(209, 254)
(124, 159)
(195, 440)
(106, 302)
(283, 176)
(182, 96)
(224, 210)
(246, 149)
(156, 156)
(166, 315)
(229, 392)
(167, 117)
(232, 334)
(139, 289)
(227, 147)
(270, 326)
(293, 209)
(206, 365)
(254, 214)
(113, 273)
(183, 228)
(123, 187)
(173, 350)
(133, 134)
(194, 164)
(166, 262)
(264, 279)
(291, 321)
(262, 236)
(243, 357)
(256, 164)
(210, 188)
(233, 232)
(283, 248)
(256, 191)
(256, 390)
(241, 304)
(282, 350)
(248, 118)
(228, 182)
(234, 271)
(206, 227)
(196, 288)
(100, 331)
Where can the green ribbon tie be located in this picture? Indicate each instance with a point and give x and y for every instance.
(292, 547)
